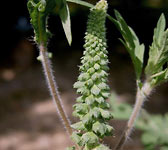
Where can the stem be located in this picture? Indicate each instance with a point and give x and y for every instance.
(141, 96)
(53, 88)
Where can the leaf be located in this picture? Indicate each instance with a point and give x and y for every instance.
(131, 42)
(158, 54)
(81, 3)
(66, 21)
(148, 138)
(39, 12)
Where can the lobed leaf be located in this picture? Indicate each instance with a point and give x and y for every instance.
(131, 42)
(158, 54)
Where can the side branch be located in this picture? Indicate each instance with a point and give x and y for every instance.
(141, 96)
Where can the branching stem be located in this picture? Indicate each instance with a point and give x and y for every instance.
(141, 96)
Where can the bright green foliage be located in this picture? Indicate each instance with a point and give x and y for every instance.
(158, 54)
(92, 109)
(120, 111)
(131, 42)
(154, 127)
(40, 10)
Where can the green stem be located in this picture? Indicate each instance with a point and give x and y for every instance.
(141, 96)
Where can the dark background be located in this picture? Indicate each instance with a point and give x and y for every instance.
(28, 120)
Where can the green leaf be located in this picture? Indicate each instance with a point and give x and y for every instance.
(39, 12)
(148, 138)
(66, 21)
(131, 42)
(158, 54)
(121, 111)
(164, 148)
(81, 3)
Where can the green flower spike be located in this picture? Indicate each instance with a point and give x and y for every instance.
(92, 109)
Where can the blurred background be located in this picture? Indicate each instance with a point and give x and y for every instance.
(28, 119)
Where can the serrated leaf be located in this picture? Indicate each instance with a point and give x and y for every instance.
(158, 54)
(95, 90)
(131, 42)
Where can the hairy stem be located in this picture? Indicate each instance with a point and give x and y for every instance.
(141, 96)
(53, 88)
